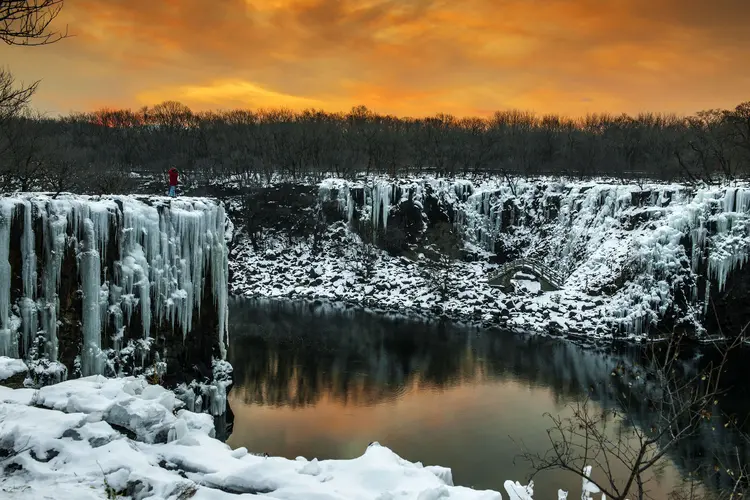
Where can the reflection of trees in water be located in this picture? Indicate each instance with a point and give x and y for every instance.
(291, 353)
(297, 353)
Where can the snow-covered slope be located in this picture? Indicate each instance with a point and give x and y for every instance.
(635, 259)
(97, 278)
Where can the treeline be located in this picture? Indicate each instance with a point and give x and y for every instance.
(102, 151)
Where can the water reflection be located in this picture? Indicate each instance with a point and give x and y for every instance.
(324, 382)
(292, 354)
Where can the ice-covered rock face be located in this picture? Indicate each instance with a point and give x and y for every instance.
(649, 252)
(121, 265)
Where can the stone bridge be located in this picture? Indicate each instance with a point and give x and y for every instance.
(549, 278)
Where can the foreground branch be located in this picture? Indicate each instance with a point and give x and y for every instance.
(27, 22)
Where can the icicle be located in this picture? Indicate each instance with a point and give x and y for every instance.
(220, 275)
(164, 257)
(381, 203)
(742, 203)
(349, 207)
(28, 273)
(54, 224)
(706, 298)
(115, 312)
(8, 344)
(728, 200)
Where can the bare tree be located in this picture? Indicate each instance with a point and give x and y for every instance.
(265, 146)
(21, 162)
(678, 402)
(24, 22)
(14, 98)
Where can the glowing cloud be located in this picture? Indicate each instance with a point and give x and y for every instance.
(415, 57)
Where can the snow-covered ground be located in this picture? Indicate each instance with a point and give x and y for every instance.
(94, 438)
(629, 254)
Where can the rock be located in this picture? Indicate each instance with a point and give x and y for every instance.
(14, 381)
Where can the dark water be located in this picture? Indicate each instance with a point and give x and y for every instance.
(318, 382)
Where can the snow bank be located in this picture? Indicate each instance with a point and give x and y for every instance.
(70, 440)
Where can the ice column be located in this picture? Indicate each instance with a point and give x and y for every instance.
(8, 345)
(220, 275)
(381, 203)
(90, 271)
(54, 224)
(27, 305)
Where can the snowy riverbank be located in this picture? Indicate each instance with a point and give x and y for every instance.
(94, 438)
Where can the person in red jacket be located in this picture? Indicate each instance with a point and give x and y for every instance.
(172, 181)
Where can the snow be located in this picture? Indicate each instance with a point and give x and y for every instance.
(10, 367)
(94, 437)
(67, 441)
(628, 254)
(165, 248)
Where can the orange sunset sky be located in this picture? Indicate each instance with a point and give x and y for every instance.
(406, 57)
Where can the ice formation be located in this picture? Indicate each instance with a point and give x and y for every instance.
(637, 248)
(8, 326)
(153, 255)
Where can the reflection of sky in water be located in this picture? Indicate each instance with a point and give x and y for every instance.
(488, 394)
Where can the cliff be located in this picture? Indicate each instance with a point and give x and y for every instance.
(632, 260)
(113, 284)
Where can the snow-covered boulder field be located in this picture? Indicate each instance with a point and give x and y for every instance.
(634, 260)
(112, 284)
(94, 438)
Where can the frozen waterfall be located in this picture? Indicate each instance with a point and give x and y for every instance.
(644, 250)
(151, 255)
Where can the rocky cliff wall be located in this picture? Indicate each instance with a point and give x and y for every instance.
(111, 285)
(636, 259)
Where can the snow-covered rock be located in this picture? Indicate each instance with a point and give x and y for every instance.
(10, 367)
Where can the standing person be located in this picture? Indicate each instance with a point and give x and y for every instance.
(172, 182)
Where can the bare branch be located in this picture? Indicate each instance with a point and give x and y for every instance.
(27, 22)
(13, 98)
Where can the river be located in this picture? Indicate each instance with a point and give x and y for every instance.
(322, 381)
